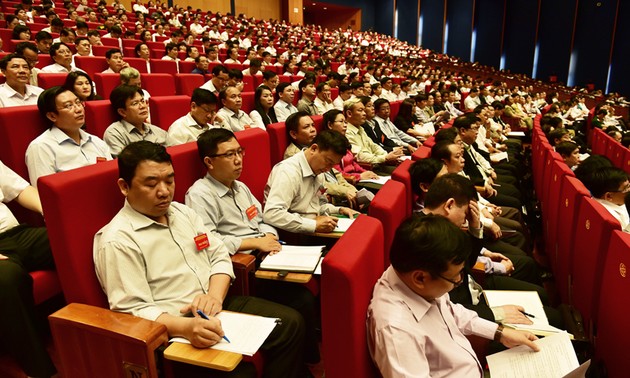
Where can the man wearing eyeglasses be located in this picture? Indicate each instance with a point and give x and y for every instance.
(413, 327)
(610, 187)
(231, 213)
(64, 145)
(17, 91)
(129, 104)
(202, 115)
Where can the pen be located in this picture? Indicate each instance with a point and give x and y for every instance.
(200, 313)
(526, 314)
(282, 242)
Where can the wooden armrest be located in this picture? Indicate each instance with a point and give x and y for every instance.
(479, 272)
(115, 324)
(243, 261)
(119, 344)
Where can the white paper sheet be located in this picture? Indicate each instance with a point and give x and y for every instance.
(380, 180)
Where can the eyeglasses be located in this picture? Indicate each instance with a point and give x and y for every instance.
(231, 154)
(72, 105)
(626, 189)
(135, 104)
(455, 283)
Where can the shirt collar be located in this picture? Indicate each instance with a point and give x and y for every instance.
(13, 93)
(132, 129)
(416, 304)
(192, 123)
(219, 188)
(306, 169)
(139, 221)
(61, 137)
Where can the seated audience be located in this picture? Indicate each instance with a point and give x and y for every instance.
(62, 56)
(301, 132)
(115, 61)
(81, 85)
(203, 110)
(232, 117)
(610, 187)
(220, 76)
(263, 113)
(284, 105)
(570, 153)
(16, 90)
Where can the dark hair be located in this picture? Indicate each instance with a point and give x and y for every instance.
(46, 101)
(497, 105)
(303, 84)
(331, 140)
(605, 180)
(72, 77)
(464, 122)
(441, 150)
(450, 185)
(235, 74)
(138, 47)
(202, 96)
(137, 152)
(591, 164)
(5, 61)
(566, 148)
(267, 117)
(110, 52)
(329, 117)
(268, 74)
(379, 102)
(218, 70)
(405, 111)
(343, 87)
(208, 142)
(557, 133)
(424, 171)
(428, 243)
(280, 89)
(121, 94)
(19, 29)
(56, 46)
(293, 122)
(20, 47)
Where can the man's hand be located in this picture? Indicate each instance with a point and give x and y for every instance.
(349, 212)
(489, 191)
(3, 257)
(511, 338)
(203, 333)
(204, 302)
(411, 148)
(325, 223)
(514, 315)
(509, 266)
(495, 230)
(473, 215)
(394, 155)
(268, 243)
(368, 175)
(351, 196)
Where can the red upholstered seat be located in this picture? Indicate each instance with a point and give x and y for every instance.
(105, 83)
(158, 84)
(98, 116)
(49, 80)
(166, 109)
(163, 66)
(390, 207)
(187, 82)
(346, 290)
(278, 141)
(91, 64)
(401, 174)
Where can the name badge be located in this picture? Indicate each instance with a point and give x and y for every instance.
(202, 242)
(100, 159)
(251, 212)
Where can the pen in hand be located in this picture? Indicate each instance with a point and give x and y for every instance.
(204, 316)
(528, 315)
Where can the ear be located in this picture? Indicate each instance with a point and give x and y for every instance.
(123, 186)
(449, 205)
(424, 187)
(52, 116)
(207, 162)
(122, 112)
(419, 278)
(293, 134)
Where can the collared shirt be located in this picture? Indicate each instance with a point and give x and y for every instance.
(148, 268)
(322, 107)
(306, 105)
(409, 336)
(121, 133)
(209, 86)
(394, 133)
(235, 121)
(338, 103)
(388, 95)
(452, 109)
(9, 97)
(284, 110)
(620, 212)
(365, 150)
(226, 212)
(470, 103)
(11, 185)
(54, 151)
(294, 196)
(185, 129)
(58, 68)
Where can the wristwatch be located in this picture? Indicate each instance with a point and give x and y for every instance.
(498, 333)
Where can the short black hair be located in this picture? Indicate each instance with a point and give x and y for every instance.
(428, 243)
(464, 122)
(331, 140)
(208, 142)
(446, 134)
(566, 148)
(329, 117)
(605, 180)
(46, 101)
(5, 61)
(218, 70)
(593, 163)
(56, 46)
(293, 122)
(110, 52)
(424, 171)
(380, 102)
(268, 74)
(121, 94)
(451, 185)
(202, 96)
(137, 152)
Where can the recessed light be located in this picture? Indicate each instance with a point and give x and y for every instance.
(325, 8)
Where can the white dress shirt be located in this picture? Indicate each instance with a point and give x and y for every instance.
(9, 97)
(284, 110)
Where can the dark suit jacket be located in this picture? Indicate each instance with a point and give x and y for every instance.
(472, 170)
(378, 137)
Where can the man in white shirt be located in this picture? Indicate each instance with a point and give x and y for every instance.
(386, 92)
(345, 93)
(473, 100)
(254, 68)
(233, 118)
(295, 198)
(61, 54)
(16, 90)
(450, 107)
(383, 109)
(220, 76)
(610, 187)
(284, 107)
(203, 109)
(323, 101)
(83, 46)
(115, 61)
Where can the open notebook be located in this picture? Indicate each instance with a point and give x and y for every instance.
(294, 258)
(246, 332)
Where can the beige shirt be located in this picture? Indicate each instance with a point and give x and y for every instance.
(119, 134)
(11, 185)
(147, 268)
(365, 150)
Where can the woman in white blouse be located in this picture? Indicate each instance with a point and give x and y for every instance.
(263, 113)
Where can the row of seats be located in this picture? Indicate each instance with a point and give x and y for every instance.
(587, 250)
(604, 144)
(344, 275)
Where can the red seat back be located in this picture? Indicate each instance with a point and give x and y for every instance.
(248, 102)
(559, 170)
(138, 63)
(277, 141)
(187, 82)
(401, 174)
(49, 80)
(105, 83)
(158, 84)
(612, 341)
(163, 66)
(390, 207)
(98, 116)
(345, 296)
(423, 152)
(186, 67)
(167, 109)
(91, 64)
(394, 107)
(257, 162)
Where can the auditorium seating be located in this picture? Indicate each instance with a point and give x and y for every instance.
(163, 66)
(105, 83)
(167, 109)
(91, 64)
(401, 174)
(49, 80)
(187, 82)
(347, 283)
(391, 208)
(98, 116)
